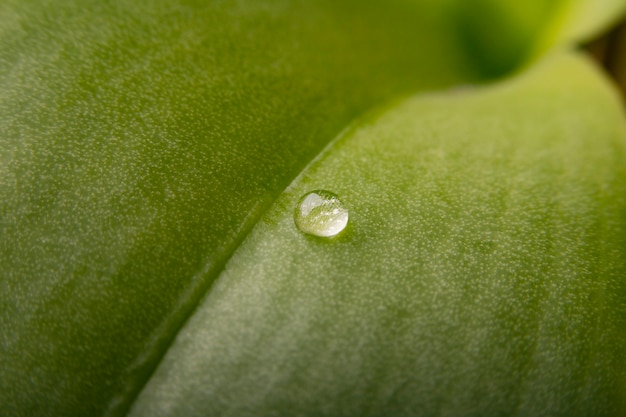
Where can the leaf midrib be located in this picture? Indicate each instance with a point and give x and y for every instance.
(143, 368)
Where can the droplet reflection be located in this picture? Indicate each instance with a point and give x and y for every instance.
(320, 213)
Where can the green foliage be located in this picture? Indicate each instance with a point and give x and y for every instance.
(481, 274)
(140, 142)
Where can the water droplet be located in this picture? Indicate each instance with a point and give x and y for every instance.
(320, 213)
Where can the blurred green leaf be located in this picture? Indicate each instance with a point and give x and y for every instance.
(481, 273)
(501, 36)
(580, 20)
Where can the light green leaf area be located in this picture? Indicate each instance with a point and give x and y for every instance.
(580, 20)
(482, 271)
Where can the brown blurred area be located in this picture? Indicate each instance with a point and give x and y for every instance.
(610, 51)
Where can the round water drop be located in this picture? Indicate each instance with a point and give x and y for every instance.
(320, 213)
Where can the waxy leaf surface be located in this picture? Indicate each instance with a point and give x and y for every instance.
(140, 141)
(482, 271)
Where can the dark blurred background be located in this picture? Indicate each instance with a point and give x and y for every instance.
(610, 51)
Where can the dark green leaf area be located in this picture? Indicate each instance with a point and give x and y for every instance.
(501, 36)
(138, 143)
(482, 271)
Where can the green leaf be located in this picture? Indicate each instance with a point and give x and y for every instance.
(502, 36)
(482, 271)
(582, 19)
(141, 141)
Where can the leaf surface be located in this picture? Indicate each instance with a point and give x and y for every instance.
(503, 36)
(581, 19)
(482, 271)
(140, 142)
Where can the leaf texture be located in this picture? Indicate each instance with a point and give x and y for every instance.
(482, 271)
